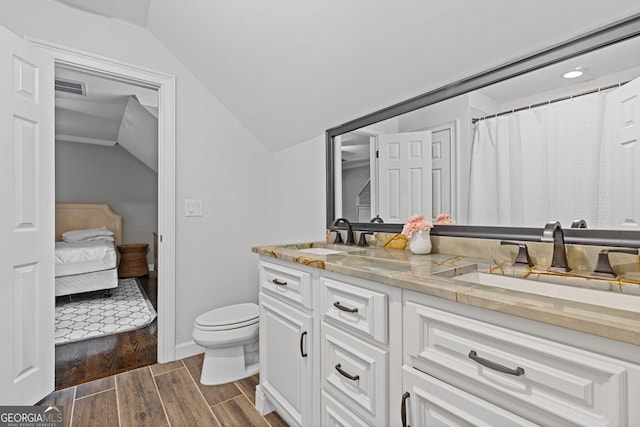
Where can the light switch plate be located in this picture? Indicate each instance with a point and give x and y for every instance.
(192, 207)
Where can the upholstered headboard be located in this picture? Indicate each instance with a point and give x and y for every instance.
(80, 216)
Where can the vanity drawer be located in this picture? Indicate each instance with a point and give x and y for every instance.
(523, 373)
(333, 414)
(362, 309)
(286, 283)
(431, 402)
(355, 372)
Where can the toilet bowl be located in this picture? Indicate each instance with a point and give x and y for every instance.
(230, 337)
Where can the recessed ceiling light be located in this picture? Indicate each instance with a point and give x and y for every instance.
(573, 73)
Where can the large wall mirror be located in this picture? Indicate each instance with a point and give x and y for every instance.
(553, 136)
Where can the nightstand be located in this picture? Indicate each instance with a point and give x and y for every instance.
(133, 260)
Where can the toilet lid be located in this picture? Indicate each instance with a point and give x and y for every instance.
(229, 315)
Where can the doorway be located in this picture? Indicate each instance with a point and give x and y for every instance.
(165, 86)
(106, 152)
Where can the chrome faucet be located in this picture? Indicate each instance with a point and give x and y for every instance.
(350, 237)
(553, 233)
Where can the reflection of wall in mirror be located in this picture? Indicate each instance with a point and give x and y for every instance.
(353, 181)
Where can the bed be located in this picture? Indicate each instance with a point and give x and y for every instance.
(86, 261)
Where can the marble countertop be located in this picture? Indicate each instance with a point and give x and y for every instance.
(435, 274)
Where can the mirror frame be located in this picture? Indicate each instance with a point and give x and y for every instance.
(611, 34)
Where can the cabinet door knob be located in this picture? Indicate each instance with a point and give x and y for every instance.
(495, 366)
(403, 409)
(302, 352)
(343, 308)
(346, 374)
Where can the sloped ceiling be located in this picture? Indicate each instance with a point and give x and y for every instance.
(289, 69)
(109, 112)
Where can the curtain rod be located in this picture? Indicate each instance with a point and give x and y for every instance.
(540, 104)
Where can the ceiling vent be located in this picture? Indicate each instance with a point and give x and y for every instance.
(70, 86)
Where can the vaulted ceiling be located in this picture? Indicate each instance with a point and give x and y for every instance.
(289, 69)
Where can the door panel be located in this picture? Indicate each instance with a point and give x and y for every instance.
(621, 149)
(441, 172)
(26, 221)
(405, 175)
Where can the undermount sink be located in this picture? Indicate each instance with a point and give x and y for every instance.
(569, 293)
(321, 251)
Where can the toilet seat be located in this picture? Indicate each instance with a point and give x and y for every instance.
(228, 317)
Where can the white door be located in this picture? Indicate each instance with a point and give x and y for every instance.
(404, 175)
(621, 147)
(26, 222)
(286, 357)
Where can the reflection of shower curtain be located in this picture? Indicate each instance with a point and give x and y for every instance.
(537, 165)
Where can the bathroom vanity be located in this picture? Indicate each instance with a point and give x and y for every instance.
(375, 336)
(378, 336)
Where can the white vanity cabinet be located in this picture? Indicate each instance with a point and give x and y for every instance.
(287, 348)
(356, 359)
(542, 380)
(343, 351)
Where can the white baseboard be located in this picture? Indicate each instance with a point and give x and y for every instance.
(188, 349)
(263, 406)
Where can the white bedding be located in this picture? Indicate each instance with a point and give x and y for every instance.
(87, 235)
(98, 280)
(84, 257)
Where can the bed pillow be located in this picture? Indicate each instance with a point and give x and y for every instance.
(86, 234)
(93, 239)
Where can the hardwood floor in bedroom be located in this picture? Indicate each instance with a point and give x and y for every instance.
(89, 360)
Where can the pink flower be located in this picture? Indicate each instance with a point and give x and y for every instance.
(444, 219)
(416, 223)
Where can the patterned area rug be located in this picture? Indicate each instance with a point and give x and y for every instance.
(92, 314)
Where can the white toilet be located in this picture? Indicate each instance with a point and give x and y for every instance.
(230, 338)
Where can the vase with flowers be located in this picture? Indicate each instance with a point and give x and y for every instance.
(417, 230)
(444, 219)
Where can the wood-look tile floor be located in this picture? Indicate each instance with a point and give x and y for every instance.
(162, 395)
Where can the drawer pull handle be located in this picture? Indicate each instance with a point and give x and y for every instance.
(279, 283)
(403, 409)
(343, 308)
(495, 366)
(346, 374)
(302, 352)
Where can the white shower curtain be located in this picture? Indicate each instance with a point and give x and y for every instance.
(537, 165)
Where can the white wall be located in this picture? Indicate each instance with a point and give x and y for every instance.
(87, 173)
(353, 180)
(299, 196)
(217, 160)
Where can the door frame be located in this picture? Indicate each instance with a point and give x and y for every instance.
(165, 84)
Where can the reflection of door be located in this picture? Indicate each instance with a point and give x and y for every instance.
(441, 172)
(622, 121)
(26, 222)
(404, 175)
